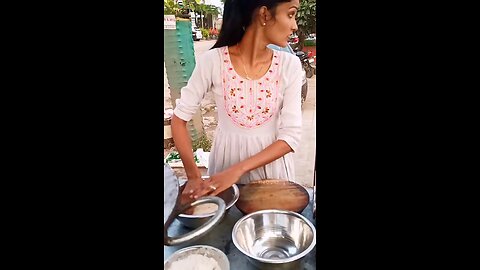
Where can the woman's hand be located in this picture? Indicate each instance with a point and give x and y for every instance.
(190, 187)
(225, 179)
(217, 183)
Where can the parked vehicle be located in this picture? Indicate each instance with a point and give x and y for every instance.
(289, 49)
(293, 41)
(196, 33)
(307, 60)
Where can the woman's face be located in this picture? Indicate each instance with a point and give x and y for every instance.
(280, 28)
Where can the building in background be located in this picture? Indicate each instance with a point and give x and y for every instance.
(217, 3)
(218, 23)
(206, 21)
(213, 21)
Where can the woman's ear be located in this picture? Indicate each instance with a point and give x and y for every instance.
(264, 15)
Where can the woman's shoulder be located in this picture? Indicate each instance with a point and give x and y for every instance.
(211, 55)
(290, 62)
(288, 57)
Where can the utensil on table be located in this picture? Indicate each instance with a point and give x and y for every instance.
(191, 220)
(272, 194)
(204, 250)
(172, 208)
(274, 239)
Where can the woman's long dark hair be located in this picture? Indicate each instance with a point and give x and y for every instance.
(237, 16)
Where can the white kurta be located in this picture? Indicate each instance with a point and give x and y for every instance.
(252, 114)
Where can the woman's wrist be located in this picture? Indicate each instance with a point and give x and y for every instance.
(194, 176)
(238, 170)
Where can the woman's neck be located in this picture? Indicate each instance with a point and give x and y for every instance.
(253, 46)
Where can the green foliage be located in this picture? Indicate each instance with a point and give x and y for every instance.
(170, 7)
(310, 42)
(205, 10)
(307, 16)
(190, 4)
(306, 19)
(211, 9)
(175, 157)
(205, 33)
(203, 142)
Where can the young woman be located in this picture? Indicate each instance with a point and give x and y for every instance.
(257, 92)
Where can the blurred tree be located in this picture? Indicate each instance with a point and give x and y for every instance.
(212, 11)
(306, 20)
(192, 6)
(170, 7)
(203, 9)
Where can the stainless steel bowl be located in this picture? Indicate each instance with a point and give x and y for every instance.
(274, 239)
(208, 251)
(230, 196)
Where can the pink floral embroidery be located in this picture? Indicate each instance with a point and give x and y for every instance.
(250, 103)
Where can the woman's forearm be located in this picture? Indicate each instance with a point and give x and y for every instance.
(225, 179)
(183, 143)
(274, 151)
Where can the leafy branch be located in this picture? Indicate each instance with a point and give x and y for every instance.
(306, 19)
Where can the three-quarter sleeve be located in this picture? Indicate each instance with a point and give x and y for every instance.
(193, 93)
(290, 126)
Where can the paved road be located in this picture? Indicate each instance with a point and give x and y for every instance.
(305, 157)
(202, 46)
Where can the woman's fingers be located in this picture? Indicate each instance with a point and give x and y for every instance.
(218, 190)
(210, 188)
(204, 190)
(191, 187)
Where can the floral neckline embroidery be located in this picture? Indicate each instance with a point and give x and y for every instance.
(250, 103)
(228, 62)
